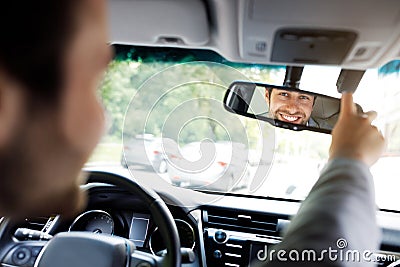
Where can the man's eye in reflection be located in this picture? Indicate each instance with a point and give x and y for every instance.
(304, 97)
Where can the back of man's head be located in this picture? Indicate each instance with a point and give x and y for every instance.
(34, 36)
(52, 57)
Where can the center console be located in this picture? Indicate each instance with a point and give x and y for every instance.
(234, 238)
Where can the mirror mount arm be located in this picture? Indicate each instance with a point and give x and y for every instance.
(293, 76)
(349, 80)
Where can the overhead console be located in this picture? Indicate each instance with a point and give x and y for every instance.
(311, 46)
(354, 34)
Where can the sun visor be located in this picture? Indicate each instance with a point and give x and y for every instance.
(177, 22)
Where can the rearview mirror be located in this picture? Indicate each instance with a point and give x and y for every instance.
(284, 107)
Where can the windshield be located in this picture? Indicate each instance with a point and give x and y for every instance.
(166, 118)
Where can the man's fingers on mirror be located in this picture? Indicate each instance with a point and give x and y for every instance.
(347, 104)
(370, 115)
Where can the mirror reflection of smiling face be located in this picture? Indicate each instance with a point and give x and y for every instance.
(289, 106)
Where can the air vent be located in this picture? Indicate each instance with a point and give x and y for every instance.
(235, 220)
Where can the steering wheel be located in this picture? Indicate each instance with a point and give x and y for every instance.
(84, 249)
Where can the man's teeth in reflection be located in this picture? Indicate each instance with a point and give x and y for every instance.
(290, 118)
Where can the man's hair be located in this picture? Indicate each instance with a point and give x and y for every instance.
(34, 36)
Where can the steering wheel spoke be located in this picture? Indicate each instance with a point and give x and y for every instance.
(81, 249)
(23, 254)
(143, 259)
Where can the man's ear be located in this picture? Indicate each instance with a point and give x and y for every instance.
(267, 99)
(11, 107)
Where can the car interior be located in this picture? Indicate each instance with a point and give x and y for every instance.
(174, 66)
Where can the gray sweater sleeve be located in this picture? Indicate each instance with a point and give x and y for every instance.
(338, 215)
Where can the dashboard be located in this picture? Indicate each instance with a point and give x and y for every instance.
(110, 211)
(137, 227)
(114, 211)
(218, 233)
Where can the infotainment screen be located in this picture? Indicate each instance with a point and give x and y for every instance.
(138, 229)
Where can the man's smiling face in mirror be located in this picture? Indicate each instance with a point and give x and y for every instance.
(289, 106)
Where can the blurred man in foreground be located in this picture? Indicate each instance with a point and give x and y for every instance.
(50, 121)
(52, 57)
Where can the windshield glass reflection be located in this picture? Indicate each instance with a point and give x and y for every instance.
(201, 151)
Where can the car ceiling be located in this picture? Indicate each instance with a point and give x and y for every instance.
(247, 30)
